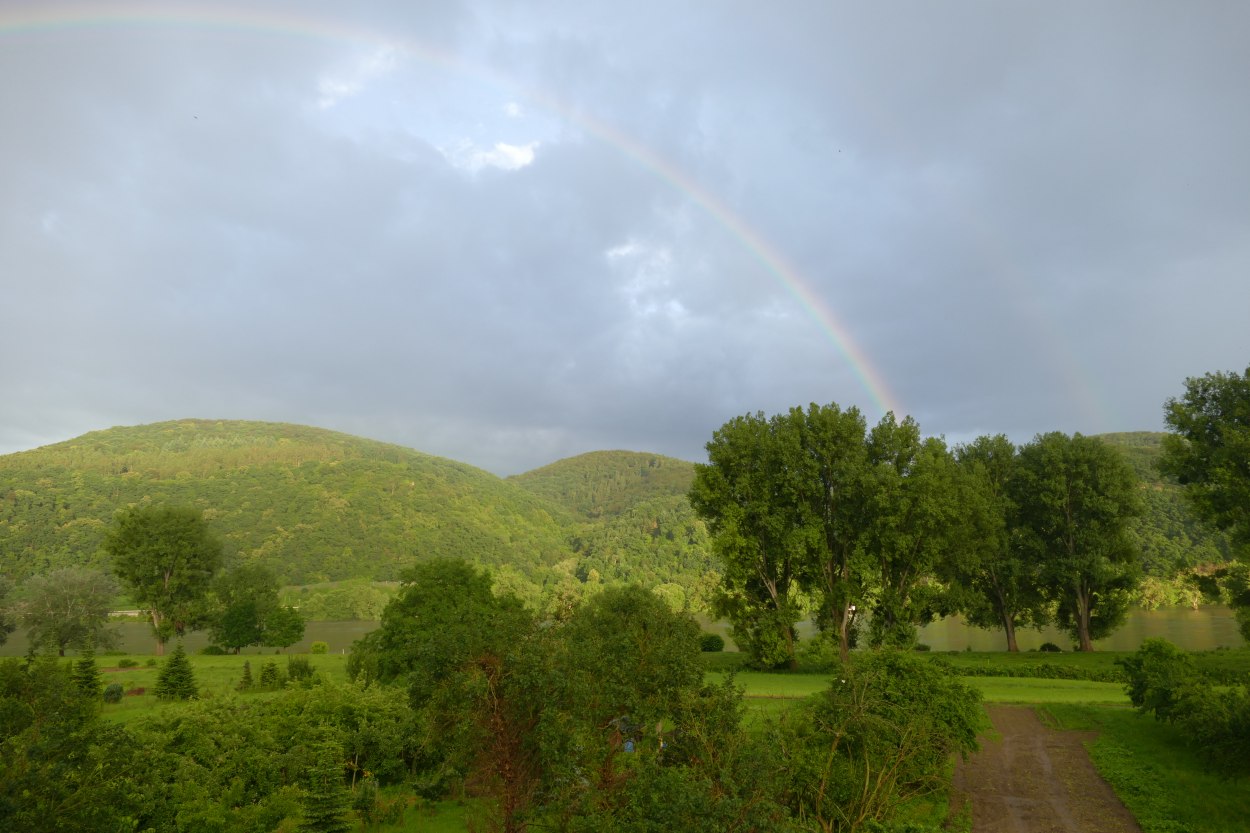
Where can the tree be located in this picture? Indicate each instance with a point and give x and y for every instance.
(1209, 450)
(282, 627)
(176, 680)
(168, 557)
(1075, 497)
(68, 608)
(918, 524)
(326, 801)
(244, 595)
(1209, 455)
(87, 676)
(996, 581)
(745, 495)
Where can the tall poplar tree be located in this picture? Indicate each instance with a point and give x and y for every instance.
(1075, 497)
(996, 581)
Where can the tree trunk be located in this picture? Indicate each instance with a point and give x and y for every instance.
(1009, 625)
(844, 635)
(1082, 621)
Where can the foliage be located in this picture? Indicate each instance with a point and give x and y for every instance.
(68, 608)
(86, 675)
(166, 556)
(60, 768)
(176, 680)
(8, 622)
(282, 627)
(270, 676)
(326, 801)
(246, 682)
(1208, 451)
(1216, 720)
(711, 642)
(319, 647)
(750, 496)
(1074, 496)
(113, 693)
(312, 505)
(298, 668)
(880, 736)
(995, 584)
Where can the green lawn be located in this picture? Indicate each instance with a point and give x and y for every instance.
(1157, 776)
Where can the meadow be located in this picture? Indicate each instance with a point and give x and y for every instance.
(1146, 761)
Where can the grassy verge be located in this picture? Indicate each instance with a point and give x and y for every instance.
(1155, 774)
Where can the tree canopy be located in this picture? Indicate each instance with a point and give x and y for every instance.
(68, 608)
(167, 557)
(1075, 497)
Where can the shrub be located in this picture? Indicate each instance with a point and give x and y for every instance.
(270, 676)
(128, 663)
(246, 682)
(890, 720)
(151, 663)
(212, 651)
(320, 647)
(1158, 673)
(1051, 647)
(113, 693)
(711, 642)
(920, 646)
(298, 668)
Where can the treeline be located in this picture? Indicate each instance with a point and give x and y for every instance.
(881, 530)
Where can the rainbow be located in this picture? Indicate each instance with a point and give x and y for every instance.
(36, 16)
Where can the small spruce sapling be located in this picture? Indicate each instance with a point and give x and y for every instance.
(176, 680)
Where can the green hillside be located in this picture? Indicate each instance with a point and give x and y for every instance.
(637, 525)
(314, 505)
(607, 483)
(1171, 537)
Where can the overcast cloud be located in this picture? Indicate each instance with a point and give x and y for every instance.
(507, 233)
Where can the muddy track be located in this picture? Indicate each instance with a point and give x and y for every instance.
(1033, 779)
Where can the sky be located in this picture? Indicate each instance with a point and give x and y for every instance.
(508, 233)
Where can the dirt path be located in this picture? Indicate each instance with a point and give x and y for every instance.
(1033, 779)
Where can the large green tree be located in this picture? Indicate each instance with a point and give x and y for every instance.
(247, 610)
(1075, 497)
(168, 557)
(68, 608)
(1209, 449)
(918, 524)
(995, 581)
(746, 495)
(1209, 454)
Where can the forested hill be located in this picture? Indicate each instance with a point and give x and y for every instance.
(314, 505)
(1171, 537)
(636, 522)
(606, 483)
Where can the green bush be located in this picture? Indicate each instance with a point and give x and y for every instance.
(711, 643)
(320, 647)
(213, 651)
(891, 720)
(1051, 648)
(298, 668)
(113, 693)
(270, 676)
(128, 663)
(151, 663)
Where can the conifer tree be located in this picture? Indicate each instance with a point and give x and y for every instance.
(246, 683)
(326, 802)
(87, 675)
(176, 680)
